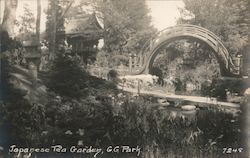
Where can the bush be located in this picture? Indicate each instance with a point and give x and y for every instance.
(112, 75)
(155, 71)
(20, 120)
(206, 88)
(67, 78)
(220, 86)
(179, 85)
(101, 87)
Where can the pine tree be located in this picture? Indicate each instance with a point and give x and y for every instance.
(67, 78)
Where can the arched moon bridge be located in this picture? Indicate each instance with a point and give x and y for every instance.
(151, 47)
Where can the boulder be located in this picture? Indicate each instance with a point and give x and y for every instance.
(247, 92)
(188, 107)
(163, 102)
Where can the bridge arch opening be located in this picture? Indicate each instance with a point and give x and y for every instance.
(181, 49)
(150, 49)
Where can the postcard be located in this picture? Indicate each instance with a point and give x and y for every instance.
(124, 78)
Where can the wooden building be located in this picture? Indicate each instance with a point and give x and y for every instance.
(83, 33)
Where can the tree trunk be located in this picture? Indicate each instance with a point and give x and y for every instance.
(248, 46)
(53, 33)
(38, 19)
(9, 16)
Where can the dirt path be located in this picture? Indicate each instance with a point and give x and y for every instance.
(196, 99)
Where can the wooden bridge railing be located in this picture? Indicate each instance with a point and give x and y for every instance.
(150, 47)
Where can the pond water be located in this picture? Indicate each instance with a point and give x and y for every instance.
(138, 127)
(167, 132)
(202, 133)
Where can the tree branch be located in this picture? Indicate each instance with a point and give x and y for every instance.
(65, 11)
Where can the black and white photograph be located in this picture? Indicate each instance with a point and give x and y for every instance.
(124, 78)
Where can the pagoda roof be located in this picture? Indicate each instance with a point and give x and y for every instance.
(86, 26)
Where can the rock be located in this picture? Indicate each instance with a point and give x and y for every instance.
(188, 112)
(163, 102)
(161, 108)
(235, 99)
(247, 92)
(188, 107)
(120, 95)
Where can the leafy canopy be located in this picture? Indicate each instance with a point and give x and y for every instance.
(228, 19)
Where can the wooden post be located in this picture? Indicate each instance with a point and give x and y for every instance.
(135, 61)
(138, 87)
(130, 62)
(239, 61)
(140, 60)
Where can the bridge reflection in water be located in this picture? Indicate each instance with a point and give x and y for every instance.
(200, 133)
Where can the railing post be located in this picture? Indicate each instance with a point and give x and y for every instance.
(135, 61)
(130, 62)
(140, 60)
(237, 62)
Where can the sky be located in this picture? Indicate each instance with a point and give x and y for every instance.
(164, 13)
(32, 6)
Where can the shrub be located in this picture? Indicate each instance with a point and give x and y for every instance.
(112, 75)
(67, 78)
(20, 120)
(220, 86)
(179, 85)
(98, 85)
(206, 88)
(155, 71)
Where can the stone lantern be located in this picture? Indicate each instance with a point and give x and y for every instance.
(32, 55)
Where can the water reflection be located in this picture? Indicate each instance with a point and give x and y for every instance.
(166, 132)
(161, 131)
(197, 133)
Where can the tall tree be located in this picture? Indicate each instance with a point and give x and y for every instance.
(229, 19)
(55, 23)
(38, 21)
(247, 65)
(9, 16)
(51, 26)
(127, 25)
